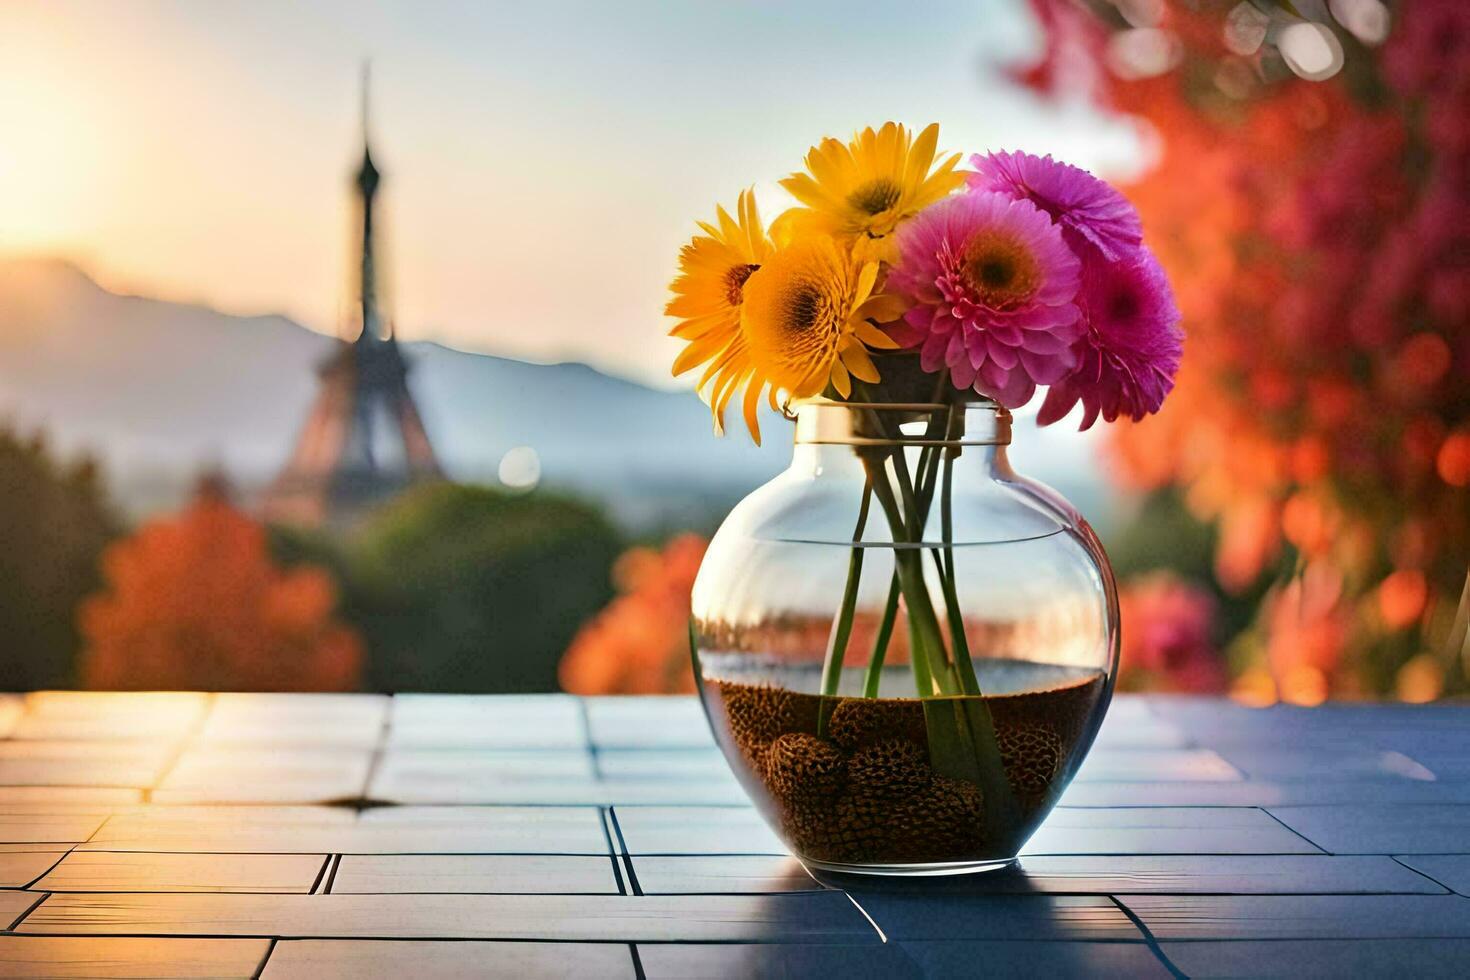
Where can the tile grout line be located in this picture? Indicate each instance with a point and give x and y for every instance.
(186, 742)
(1148, 937)
(332, 875)
(321, 874)
(40, 897)
(260, 967)
(1398, 859)
(627, 858)
(1293, 830)
(638, 971)
(602, 818)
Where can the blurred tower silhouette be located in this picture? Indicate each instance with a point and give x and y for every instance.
(363, 440)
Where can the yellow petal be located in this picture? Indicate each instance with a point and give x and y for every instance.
(866, 278)
(752, 403)
(885, 308)
(697, 353)
(921, 155)
(855, 358)
(807, 191)
(840, 380)
(874, 337)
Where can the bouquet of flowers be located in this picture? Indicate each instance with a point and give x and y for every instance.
(1022, 272)
(901, 288)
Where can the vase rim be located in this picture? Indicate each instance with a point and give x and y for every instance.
(822, 421)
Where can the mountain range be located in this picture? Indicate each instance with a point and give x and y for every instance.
(159, 391)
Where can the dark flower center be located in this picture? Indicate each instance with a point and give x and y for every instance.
(802, 308)
(735, 282)
(1122, 305)
(875, 197)
(1001, 271)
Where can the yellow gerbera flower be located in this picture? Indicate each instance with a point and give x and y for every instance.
(708, 295)
(806, 320)
(861, 191)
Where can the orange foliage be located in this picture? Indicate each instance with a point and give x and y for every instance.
(196, 602)
(639, 644)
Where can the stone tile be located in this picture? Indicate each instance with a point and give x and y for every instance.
(19, 868)
(564, 832)
(1026, 960)
(655, 722)
(220, 774)
(1252, 793)
(1279, 764)
(689, 961)
(1172, 917)
(806, 917)
(579, 816)
(14, 904)
(1168, 765)
(905, 915)
(157, 959)
(226, 813)
(1450, 870)
(610, 792)
(696, 830)
(122, 764)
(1325, 958)
(42, 828)
(310, 959)
(12, 706)
(1276, 874)
(1145, 733)
(536, 721)
(1164, 830)
(110, 715)
(468, 775)
(474, 873)
(662, 764)
(103, 871)
(723, 874)
(69, 795)
(1381, 828)
(318, 720)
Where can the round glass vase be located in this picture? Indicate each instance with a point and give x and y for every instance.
(904, 648)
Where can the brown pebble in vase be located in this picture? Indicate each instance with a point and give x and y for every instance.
(867, 793)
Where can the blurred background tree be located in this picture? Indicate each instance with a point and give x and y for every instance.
(195, 601)
(465, 588)
(54, 523)
(639, 644)
(1311, 202)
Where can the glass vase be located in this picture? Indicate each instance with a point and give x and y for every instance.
(904, 648)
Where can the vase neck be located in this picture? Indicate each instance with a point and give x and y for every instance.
(826, 423)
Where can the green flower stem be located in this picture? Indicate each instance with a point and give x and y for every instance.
(880, 642)
(921, 637)
(842, 625)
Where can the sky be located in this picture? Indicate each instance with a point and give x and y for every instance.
(543, 161)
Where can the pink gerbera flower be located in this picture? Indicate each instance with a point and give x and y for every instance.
(992, 283)
(1129, 354)
(1083, 205)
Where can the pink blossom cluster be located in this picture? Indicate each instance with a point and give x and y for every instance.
(1037, 275)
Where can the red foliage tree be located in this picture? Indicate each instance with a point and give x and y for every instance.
(1318, 237)
(196, 602)
(639, 644)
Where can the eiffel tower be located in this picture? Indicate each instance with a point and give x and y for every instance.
(363, 440)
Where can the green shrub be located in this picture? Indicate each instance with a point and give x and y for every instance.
(464, 588)
(53, 526)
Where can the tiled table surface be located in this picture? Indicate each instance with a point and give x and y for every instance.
(190, 835)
